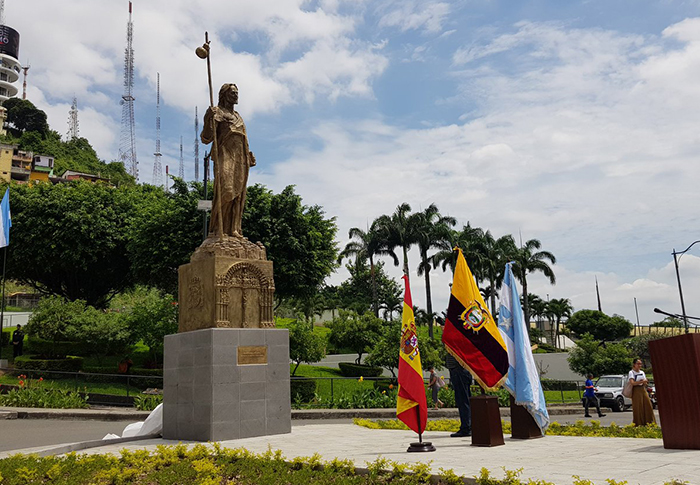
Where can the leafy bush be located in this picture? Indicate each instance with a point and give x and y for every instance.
(38, 346)
(31, 393)
(305, 345)
(302, 390)
(353, 331)
(69, 364)
(553, 385)
(367, 399)
(147, 402)
(592, 356)
(348, 369)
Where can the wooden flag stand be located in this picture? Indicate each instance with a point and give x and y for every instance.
(523, 425)
(421, 446)
(486, 421)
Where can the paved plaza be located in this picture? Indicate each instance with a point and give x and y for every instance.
(554, 458)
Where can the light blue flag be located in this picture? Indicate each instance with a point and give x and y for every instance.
(523, 380)
(5, 219)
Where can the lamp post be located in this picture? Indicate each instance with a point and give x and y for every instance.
(678, 277)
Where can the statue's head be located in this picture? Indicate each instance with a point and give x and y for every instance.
(228, 96)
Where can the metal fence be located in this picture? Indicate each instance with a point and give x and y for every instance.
(132, 385)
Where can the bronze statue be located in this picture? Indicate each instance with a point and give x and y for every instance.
(233, 160)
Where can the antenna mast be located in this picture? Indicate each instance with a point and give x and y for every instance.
(157, 169)
(181, 169)
(24, 84)
(196, 145)
(127, 138)
(73, 126)
(2, 12)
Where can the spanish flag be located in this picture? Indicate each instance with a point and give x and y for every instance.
(411, 404)
(470, 333)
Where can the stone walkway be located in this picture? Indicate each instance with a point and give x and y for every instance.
(553, 458)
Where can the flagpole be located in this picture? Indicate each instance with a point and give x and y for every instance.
(2, 305)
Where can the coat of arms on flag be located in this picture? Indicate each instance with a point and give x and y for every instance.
(470, 334)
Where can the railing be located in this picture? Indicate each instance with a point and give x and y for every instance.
(132, 385)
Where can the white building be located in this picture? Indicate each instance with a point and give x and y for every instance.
(10, 66)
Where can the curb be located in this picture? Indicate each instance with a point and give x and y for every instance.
(297, 414)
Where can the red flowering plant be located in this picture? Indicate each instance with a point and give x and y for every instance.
(31, 392)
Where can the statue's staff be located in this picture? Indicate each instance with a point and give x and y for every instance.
(203, 53)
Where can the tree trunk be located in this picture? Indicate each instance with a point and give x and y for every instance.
(428, 300)
(556, 335)
(492, 289)
(375, 302)
(405, 260)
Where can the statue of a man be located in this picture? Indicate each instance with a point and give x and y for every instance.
(233, 160)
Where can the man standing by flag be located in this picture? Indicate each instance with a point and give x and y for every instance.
(411, 403)
(523, 380)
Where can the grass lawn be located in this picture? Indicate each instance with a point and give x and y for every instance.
(71, 384)
(325, 388)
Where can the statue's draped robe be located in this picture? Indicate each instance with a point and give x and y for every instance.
(234, 160)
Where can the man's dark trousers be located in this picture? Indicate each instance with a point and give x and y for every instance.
(592, 400)
(461, 380)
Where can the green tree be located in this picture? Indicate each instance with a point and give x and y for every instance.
(639, 346)
(385, 351)
(559, 308)
(304, 344)
(355, 293)
(70, 239)
(54, 318)
(104, 332)
(165, 231)
(668, 322)
(599, 325)
(398, 229)
(591, 356)
(299, 240)
(529, 259)
(468, 240)
(23, 116)
(495, 253)
(353, 331)
(368, 245)
(151, 315)
(431, 230)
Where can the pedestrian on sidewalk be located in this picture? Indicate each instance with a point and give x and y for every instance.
(434, 384)
(590, 397)
(461, 381)
(642, 410)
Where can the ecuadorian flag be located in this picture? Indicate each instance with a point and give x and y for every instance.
(470, 333)
(411, 404)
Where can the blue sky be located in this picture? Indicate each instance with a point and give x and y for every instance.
(571, 122)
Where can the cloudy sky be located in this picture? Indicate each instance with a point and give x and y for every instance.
(575, 123)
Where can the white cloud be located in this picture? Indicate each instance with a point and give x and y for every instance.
(414, 15)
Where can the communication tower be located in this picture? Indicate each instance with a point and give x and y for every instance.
(9, 58)
(196, 145)
(127, 138)
(181, 168)
(24, 83)
(73, 126)
(157, 169)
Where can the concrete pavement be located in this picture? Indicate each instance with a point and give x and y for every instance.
(554, 458)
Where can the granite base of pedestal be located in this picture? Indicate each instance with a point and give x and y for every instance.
(226, 383)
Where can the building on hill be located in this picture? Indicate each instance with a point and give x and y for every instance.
(21, 165)
(10, 66)
(73, 175)
(6, 152)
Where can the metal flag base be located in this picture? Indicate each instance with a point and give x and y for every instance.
(423, 446)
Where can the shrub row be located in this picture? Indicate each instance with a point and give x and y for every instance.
(69, 364)
(303, 390)
(348, 369)
(37, 346)
(552, 385)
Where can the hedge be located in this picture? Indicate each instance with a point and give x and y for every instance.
(303, 390)
(348, 369)
(37, 346)
(69, 364)
(552, 385)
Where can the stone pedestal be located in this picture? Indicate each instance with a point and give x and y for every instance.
(226, 383)
(227, 284)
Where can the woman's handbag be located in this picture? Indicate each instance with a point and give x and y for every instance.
(627, 390)
(440, 382)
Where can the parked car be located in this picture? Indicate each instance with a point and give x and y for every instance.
(609, 392)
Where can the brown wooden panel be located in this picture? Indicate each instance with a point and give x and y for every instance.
(676, 365)
(486, 421)
(523, 425)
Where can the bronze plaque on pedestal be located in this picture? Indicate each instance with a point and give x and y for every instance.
(251, 355)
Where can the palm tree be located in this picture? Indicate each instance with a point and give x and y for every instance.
(398, 231)
(367, 245)
(495, 254)
(559, 308)
(529, 259)
(468, 240)
(392, 303)
(432, 230)
(537, 308)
